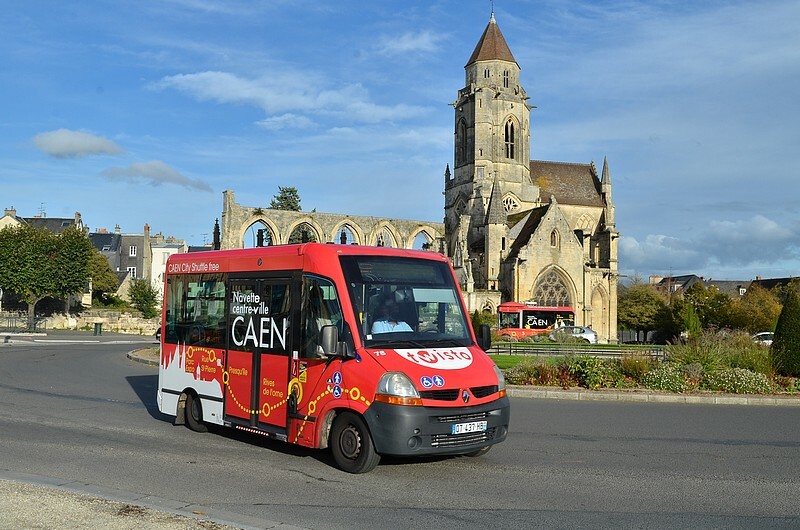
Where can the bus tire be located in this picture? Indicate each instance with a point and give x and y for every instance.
(194, 414)
(351, 444)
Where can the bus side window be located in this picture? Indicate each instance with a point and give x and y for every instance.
(320, 308)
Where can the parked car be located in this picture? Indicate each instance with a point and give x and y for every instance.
(764, 337)
(580, 333)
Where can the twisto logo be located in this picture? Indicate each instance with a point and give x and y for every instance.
(443, 358)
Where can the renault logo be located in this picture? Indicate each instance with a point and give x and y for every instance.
(465, 396)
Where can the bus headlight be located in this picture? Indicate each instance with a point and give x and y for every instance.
(397, 389)
(501, 380)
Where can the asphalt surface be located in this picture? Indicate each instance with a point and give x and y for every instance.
(28, 501)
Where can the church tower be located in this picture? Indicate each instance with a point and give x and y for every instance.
(517, 229)
(492, 144)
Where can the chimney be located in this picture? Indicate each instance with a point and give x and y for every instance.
(11, 211)
(116, 229)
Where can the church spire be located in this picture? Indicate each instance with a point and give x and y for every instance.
(496, 213)
(492, 46)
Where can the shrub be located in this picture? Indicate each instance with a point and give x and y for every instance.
(785, 349)
(693, 374)
(718, 350)
(738, 381)
(668, 376)
(592, 372)
(635, 365)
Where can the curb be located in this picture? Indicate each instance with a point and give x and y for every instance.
(636, 396)
(651, 397)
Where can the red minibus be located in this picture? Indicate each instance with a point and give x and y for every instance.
(364, 350)
(529, 320)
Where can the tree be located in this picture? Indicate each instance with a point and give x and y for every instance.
(640, 307)
(710, 305)
(36, 263)
(287, 198)
(144, 298)
(104, 281)
(758, 310)
(785, 349)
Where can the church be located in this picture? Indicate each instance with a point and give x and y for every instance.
(515, 229)
(518, 229)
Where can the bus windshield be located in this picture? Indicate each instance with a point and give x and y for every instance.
(405, 302)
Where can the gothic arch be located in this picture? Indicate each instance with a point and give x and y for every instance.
(510, 203)
(599, 314)
(462, 143)
(512, 134)
(586, 223)
(384, 235)
(315, 229)
(352, 227)
(553, 287)
(555, 239)
(426, 231)
(256, 220)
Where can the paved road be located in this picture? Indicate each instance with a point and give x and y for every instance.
(84, 415)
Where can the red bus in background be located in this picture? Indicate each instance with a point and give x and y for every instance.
(527, 320)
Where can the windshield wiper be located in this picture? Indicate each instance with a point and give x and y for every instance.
(395, 344)
(448, 342)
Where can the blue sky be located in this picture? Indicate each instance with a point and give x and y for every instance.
(144, 112)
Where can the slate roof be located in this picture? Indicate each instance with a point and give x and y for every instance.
(572, 184)
(100, 241)
(531, 224)
(55, 225)
(492, 46)
(729, 287)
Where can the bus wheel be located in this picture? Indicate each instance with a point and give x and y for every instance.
(351, 444)
(480, 452)
(194, 414)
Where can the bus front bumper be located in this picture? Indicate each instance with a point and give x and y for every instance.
(410, 431)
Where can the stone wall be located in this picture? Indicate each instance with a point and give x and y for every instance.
(112, 321)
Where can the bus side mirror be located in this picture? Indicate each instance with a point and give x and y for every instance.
(485, 337)
(330, 339)
(331, 345)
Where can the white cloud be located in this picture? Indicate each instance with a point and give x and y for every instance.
(285, 121)
(756, 243)
(288, 92)
(423, 41)
(154, 172)
(64, 143)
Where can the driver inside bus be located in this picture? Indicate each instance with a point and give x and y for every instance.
(388, 319)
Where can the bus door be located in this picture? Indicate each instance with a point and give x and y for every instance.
(261, 323)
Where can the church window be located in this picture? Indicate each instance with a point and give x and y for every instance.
(551, 290)
(510, 204)
(486, 73)
(505, 78)
(554, 239)
(481, 172)
(509, 139)
(463, 146)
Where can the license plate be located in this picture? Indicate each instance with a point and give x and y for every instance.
(473, 426)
